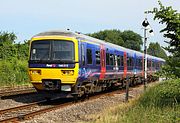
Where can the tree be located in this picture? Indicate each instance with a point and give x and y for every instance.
(22, 50)
(128, 39)
(171, 19)
(7, 37)
(7, 49)
(132, 40)
(112, 36)
(155, 49)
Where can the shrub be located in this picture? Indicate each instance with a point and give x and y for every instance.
(164, 94)
(13, 72)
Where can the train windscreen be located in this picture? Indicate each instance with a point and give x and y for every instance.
(58, 50)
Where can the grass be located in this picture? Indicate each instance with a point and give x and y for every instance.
(159, 104)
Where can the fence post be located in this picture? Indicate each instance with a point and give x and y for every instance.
(127, 89)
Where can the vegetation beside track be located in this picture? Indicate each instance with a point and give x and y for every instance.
(13, 60)
(159, 104)
(13, 72)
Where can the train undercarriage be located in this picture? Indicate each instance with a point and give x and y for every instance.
(52, 88)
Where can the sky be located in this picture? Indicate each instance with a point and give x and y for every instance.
(27, 18)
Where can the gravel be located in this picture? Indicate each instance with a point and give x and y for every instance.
(80, 111)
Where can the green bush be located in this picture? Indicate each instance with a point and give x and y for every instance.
(164, 94)
(13, 72)
(13, 60)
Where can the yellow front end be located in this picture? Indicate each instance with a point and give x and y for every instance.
(64, 76)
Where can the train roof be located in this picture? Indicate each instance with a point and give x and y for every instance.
(81, 36)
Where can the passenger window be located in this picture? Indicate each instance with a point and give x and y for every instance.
(107, 58)
(128, 61)
(140, 62)
(122, 61)
(153, 64)
(89, 56)
(97, 57)
(137, 62)
(131, 61)
(118, 60)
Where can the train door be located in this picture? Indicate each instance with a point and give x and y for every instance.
(116, 68)
(151, 65)
(82, 58)
(102, 60)
(142, 65)
(125, 65)
(134, 64)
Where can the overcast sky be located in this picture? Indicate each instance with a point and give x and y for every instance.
(26, 18)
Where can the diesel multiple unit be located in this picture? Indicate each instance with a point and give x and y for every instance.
(75, 64)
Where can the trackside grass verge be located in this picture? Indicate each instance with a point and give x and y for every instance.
(159, 104)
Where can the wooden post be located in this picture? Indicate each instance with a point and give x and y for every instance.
(127, 89)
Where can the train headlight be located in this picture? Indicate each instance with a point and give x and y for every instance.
(67, 72)
(35, 72)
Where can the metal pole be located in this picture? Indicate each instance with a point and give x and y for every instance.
(145, 58)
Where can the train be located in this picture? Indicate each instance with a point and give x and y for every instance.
(72, 64)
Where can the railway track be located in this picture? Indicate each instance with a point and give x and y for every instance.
(26, 112)
(16, 91)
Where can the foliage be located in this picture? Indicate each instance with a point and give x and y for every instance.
(171, 19)
(128, 39)
(22, 50)
(7, 37)
(155, 49)
(112, 36)
(9, 50)
(13, 60)
(170, 70)
(13, 72)
(132, 40)
(164, 94)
